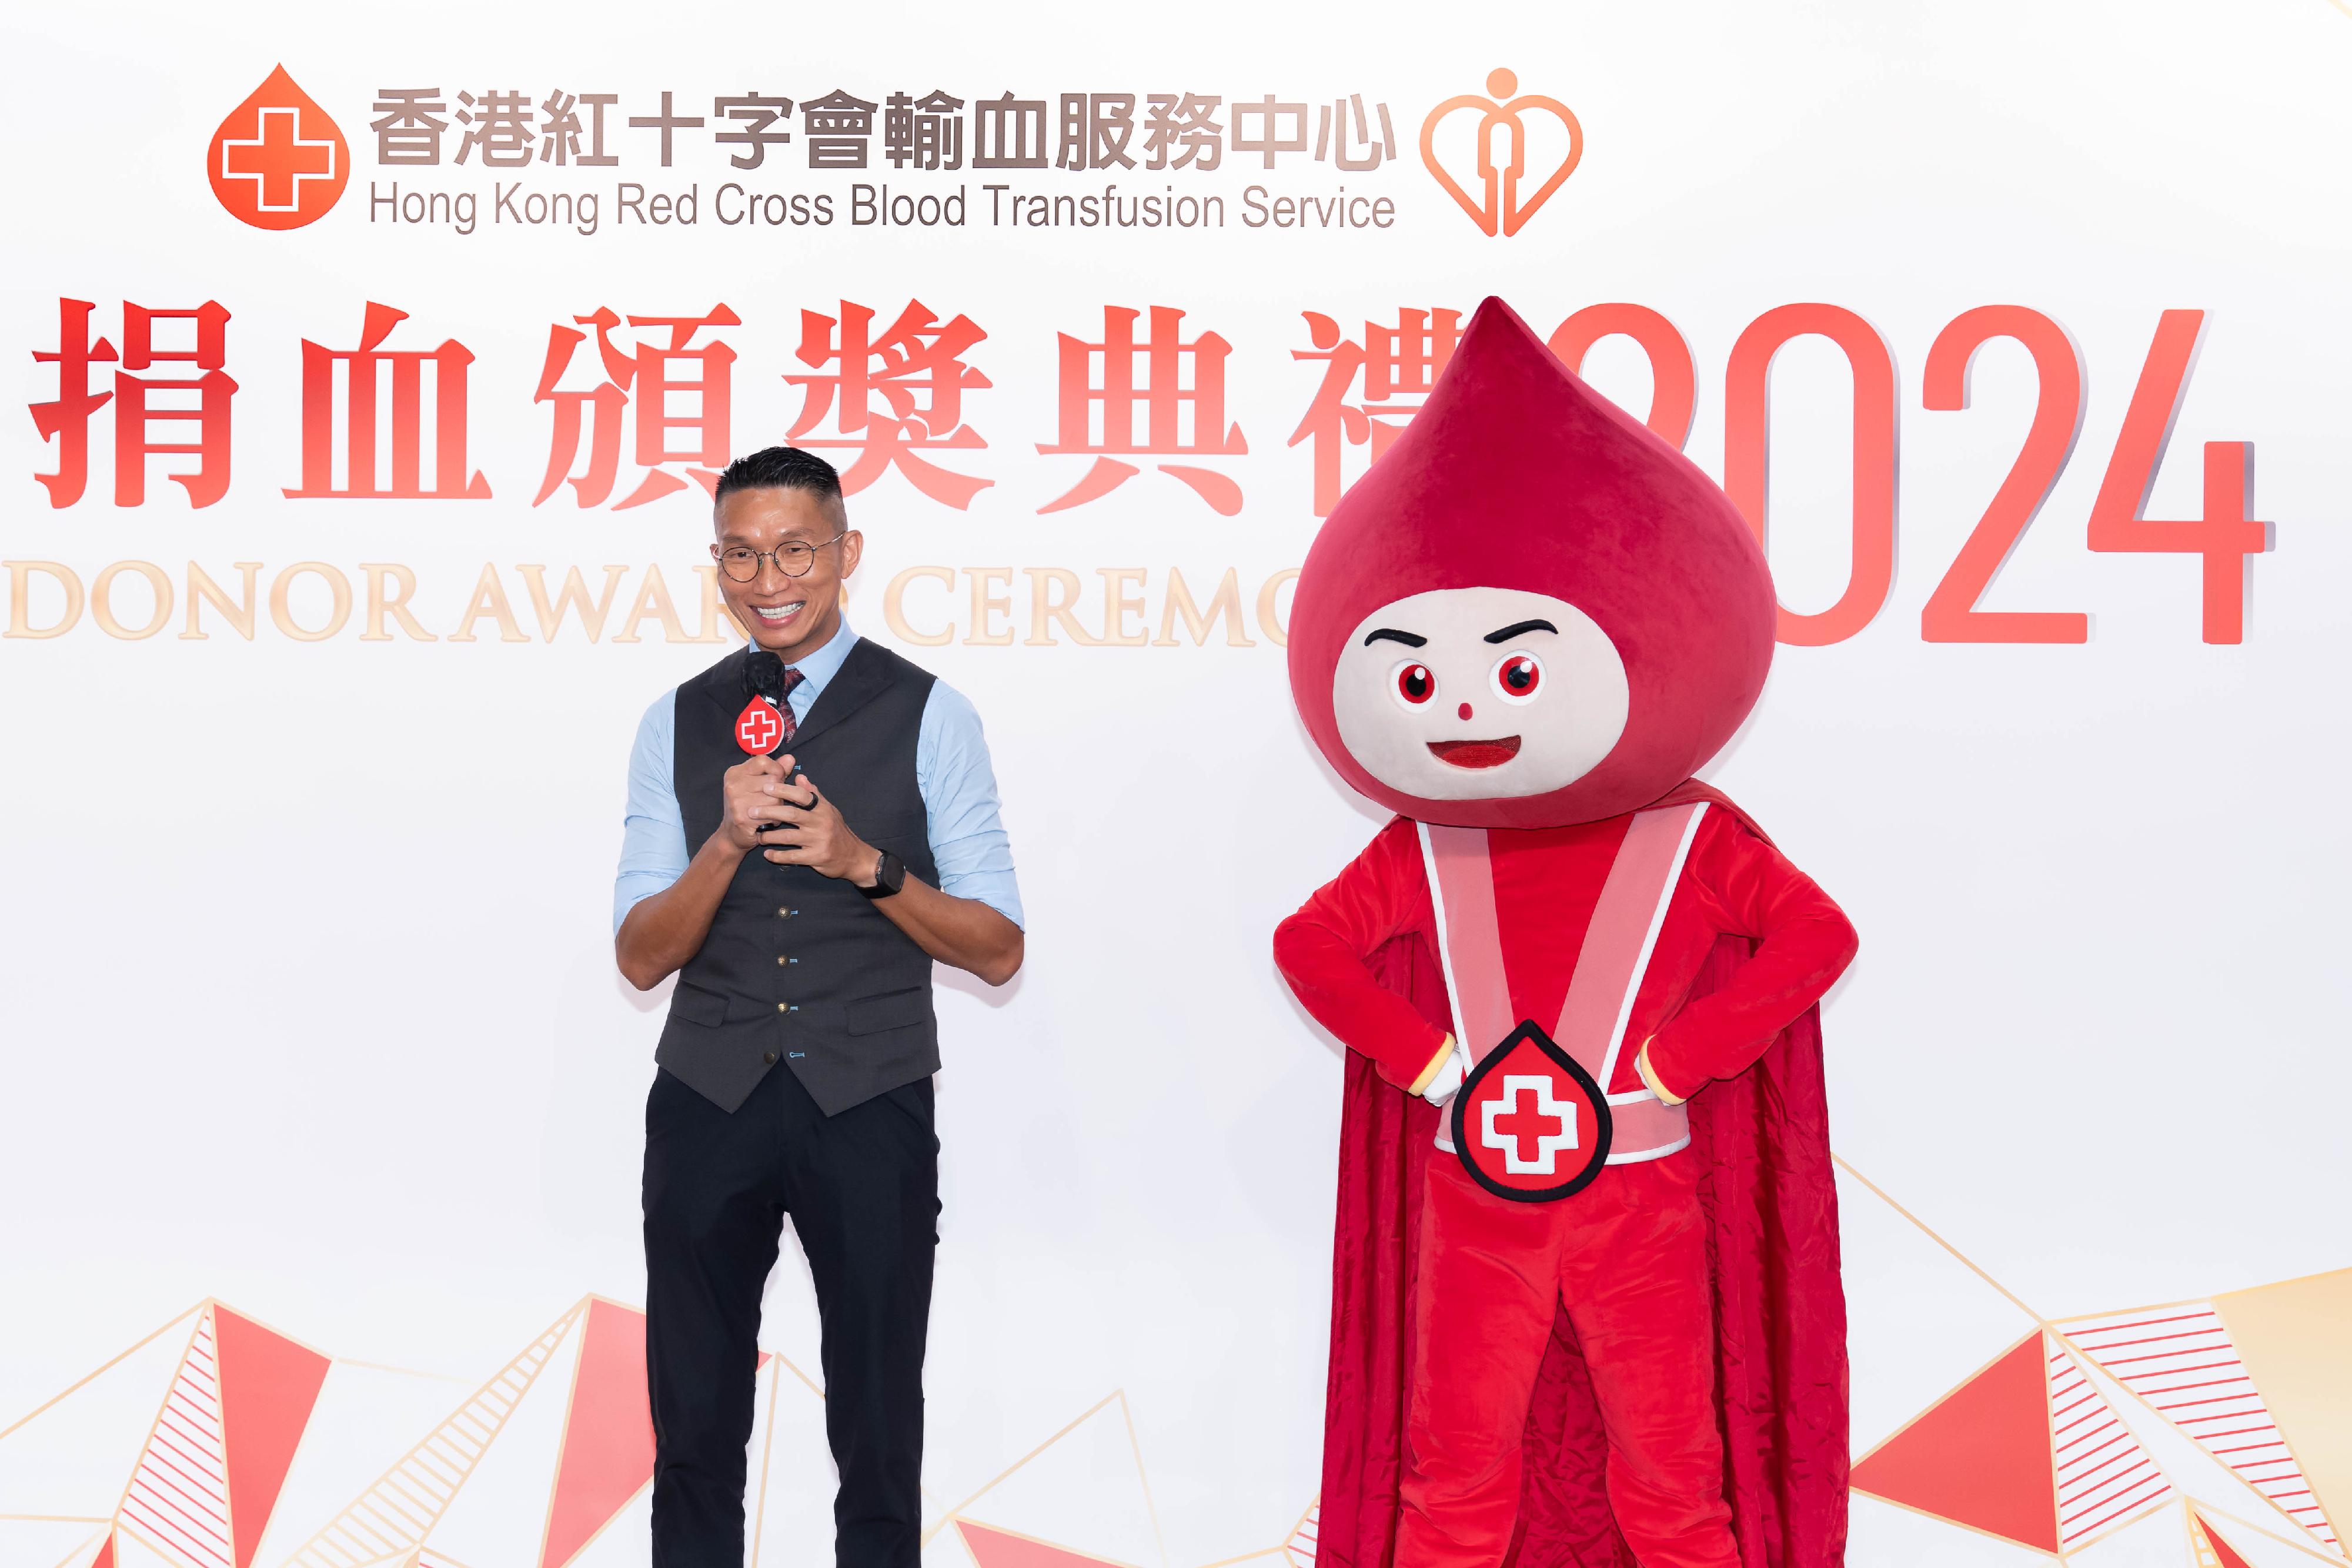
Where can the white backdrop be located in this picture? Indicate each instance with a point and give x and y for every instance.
(309, 1000)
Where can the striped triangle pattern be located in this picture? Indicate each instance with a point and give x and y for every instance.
(391, 1519)
(178, 1501)
(2104, 1477)
(2181, 1362)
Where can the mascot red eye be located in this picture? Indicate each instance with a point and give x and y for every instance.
(1414, 684)
(1517, 677)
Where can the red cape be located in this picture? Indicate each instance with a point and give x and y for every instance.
(1771, 1208)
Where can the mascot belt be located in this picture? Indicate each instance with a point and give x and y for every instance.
(1533, 1120)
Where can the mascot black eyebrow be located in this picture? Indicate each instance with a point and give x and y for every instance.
(1586, 1305)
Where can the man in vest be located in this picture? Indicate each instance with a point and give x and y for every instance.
(812, 823)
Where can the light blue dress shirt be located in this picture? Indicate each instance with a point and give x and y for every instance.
(951, 769)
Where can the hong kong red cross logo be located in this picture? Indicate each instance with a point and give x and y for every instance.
(1529, 1136)
(758, 727)
(279, 161)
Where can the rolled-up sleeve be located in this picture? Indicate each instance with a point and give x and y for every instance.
(964, 823)
(653, 832)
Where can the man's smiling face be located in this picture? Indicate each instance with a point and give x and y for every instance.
(1472, 693)
(786, 615)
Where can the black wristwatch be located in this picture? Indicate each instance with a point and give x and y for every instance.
(889, 877)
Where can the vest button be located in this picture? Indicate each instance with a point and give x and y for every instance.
(781, 959)
(770, 1059)
(784, 1007)
(786, 914)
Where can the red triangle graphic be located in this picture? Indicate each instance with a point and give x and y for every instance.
(105, 1558)
(267, 1387)
(608, 1440)
(993, 1548)
(1979, 1456)
(2222, 1550)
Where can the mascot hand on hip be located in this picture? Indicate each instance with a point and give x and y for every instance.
(1586, 1308)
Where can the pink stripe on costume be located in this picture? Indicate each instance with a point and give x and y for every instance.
(1617, 943)
(1464, 884)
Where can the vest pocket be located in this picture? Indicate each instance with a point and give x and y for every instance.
(898, 835)
(696, 1005)
(894, 1009)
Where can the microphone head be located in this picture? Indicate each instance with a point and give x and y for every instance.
(763, 676)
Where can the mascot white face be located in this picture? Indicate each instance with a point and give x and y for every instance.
(1473, 694)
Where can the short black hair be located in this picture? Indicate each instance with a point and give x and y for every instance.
(781, 469)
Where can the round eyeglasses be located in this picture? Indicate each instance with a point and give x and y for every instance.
(742, 562)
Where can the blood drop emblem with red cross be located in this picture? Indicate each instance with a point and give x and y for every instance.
(1529, 1123)
(758, 727)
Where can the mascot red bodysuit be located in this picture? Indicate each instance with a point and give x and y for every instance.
(1586, 1304)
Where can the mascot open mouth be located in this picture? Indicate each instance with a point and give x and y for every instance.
(1476, 753)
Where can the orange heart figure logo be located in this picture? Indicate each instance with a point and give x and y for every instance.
(279, 161)
(1502, 156)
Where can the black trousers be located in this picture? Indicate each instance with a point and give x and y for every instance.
(862, 1189)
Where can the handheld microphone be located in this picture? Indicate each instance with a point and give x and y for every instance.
(763, 676)
(760, 727)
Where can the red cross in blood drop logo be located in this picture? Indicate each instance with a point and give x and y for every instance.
(1546, 1125)
(279, 161)
(759, 727)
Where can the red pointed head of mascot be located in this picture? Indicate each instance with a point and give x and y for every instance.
(1531, 611)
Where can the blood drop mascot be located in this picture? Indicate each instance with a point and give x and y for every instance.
(1586, 1308)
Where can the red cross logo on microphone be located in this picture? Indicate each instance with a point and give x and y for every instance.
(759, 727)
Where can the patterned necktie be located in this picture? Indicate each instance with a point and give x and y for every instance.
(793, 677)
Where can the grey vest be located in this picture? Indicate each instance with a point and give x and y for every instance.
(798, 967)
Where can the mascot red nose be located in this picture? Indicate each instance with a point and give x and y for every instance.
(1586, 1307)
